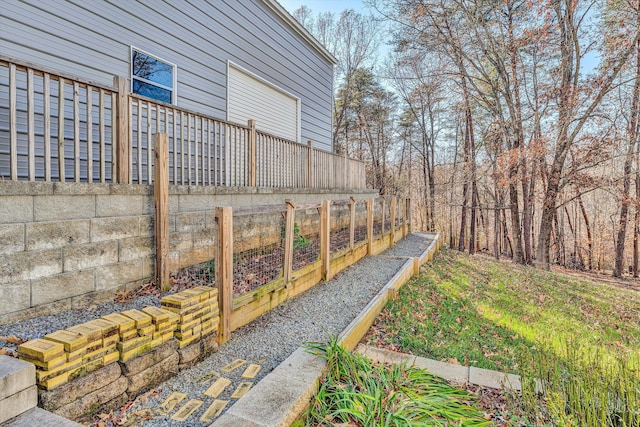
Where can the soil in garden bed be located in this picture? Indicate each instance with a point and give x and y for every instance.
(253, 269)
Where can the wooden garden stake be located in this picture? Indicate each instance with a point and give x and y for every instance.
(224, 271)
(370, 226)
(392, 221)
(352, 222)
(324, 238)
(288, 241)
(161, 202)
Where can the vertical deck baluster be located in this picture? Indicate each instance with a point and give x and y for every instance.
(139, 143)
(46, 89)
(13, 131)
(30, 126)
(76, 131)
(89, 134)
(149, 138)
(101, 135)
(61, 114)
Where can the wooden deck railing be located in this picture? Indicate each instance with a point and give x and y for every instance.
(56, 127)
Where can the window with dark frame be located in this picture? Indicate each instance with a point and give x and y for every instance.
(152, 77)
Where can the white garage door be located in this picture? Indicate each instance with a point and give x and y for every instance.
(250, 97)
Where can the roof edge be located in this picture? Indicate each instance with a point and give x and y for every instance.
(295, 25)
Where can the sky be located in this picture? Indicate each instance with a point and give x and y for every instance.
(316, 6)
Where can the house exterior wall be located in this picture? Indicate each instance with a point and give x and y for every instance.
(92, 39)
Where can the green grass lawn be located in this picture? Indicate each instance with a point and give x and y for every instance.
(487, 313)
(575, 340)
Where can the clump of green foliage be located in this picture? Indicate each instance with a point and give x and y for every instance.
(356, 391)
(582, 388)
(299, 241)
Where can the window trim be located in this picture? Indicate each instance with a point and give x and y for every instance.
(174, 90)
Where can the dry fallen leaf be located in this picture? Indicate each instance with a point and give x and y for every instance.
(12, 339)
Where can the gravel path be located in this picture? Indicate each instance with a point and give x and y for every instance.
(413, 245)
(326, 309)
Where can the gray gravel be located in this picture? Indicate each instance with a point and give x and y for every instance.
(413, 246)
(38, 327)
(326, 309)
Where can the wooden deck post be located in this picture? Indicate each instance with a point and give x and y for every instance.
(252, 153)
(161, 202)
(224, 271)
(404, 218)
(325, 241)
(392, 220)
(408, 214)
(123, 140)
(310, 164)
(370, 226)
(352, 222)
(288, 241)
(346, 159)
(384, 205)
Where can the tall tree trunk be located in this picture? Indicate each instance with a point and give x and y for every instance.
(589, 236)
(632, 133)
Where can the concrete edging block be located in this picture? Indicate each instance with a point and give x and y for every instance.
(15, 375)
(40, 417)
(494, 379)
(17, 403)
(352, 334)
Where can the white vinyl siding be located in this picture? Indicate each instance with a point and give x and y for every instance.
(274, 110)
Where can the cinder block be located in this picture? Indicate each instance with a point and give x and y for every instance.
(11, 238)
(14, 267)
(55, 234)
(194, 256)
(15, 296)
(112, 276)
(194, 202)
(135, 248)
(90, 255)
(205, 238)
(146, 225)
(45, 263)
(81, 188)
(51, 208)
(180, 241)
(114, 228)
(20, 188)
(17, 403)
(16, 209)
(119, 205)
(15, 375)
(61, 286)
(190, 221)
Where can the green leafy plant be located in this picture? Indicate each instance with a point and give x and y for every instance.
(356, 391)
(583, 388)
(299, 241)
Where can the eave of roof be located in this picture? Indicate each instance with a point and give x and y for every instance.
(302, 32)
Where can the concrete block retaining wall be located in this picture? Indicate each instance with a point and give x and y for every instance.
(70, 245)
